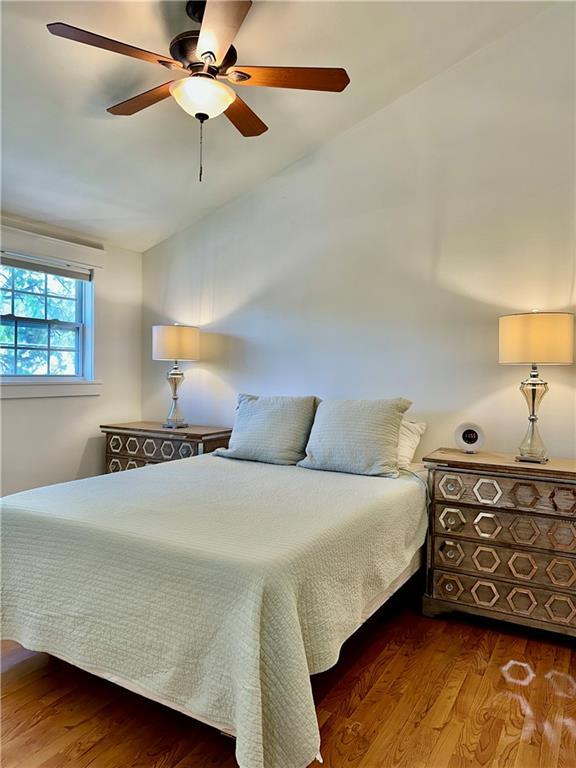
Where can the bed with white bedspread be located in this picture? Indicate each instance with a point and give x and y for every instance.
(212, 585)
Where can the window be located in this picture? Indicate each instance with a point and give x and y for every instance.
(46, 314)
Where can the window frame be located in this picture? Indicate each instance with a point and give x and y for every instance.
(85, 326)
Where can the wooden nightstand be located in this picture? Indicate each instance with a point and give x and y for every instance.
(502, 539)
(138, 443)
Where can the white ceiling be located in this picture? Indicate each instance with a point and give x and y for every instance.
(133, 180)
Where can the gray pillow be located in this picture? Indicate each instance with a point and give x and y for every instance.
(356, 436)
(273, 430)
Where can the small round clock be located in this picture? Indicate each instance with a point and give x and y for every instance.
(469, 437)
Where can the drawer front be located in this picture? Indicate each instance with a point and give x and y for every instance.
(485, 559)
(521, 600)
(120, 463)
(505, 492)
(149, 448)
(502, 527)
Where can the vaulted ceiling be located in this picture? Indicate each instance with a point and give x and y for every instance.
(133, 180)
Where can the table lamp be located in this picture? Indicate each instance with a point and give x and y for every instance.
(533, 338)
(175, 342)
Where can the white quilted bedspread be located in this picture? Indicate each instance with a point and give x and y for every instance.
(216, 585)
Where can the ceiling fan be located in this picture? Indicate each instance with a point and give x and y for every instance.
(206, 57)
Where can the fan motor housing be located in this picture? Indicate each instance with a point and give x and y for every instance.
(184, 49)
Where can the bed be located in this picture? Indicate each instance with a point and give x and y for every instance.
(211, 585)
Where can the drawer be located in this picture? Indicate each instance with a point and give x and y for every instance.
(539, 568)
(505, 492)
(490, 594)
(505, 527)
(120, 463)
(149, 448)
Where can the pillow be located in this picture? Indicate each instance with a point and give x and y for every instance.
(270, 429)
(356, 436)
(410, 434)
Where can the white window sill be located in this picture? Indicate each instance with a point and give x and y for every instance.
(13, 388)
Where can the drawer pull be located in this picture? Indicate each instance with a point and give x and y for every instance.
(451, 552)
(451, 586)
(452, 487)
(452, 519)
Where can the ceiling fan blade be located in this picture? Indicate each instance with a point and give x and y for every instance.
(305, 78)
(220, 24)
(143, 100)
(60, 29)
(247, 121)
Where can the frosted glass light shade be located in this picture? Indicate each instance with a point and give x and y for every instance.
(175, 342)
(202, 95)
(537, 337)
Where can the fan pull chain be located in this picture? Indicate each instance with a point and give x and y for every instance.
(201, 140)
(201, 117)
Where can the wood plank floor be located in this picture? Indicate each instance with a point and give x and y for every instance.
(408, 692)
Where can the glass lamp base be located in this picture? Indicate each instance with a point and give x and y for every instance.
(532, 448)
(532, 459)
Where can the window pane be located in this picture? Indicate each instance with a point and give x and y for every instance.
(5, 276)
(6, 362)
(62, 363)
(7, 332)
(29, 280)
(32, 362)
(62, 286)
(47, 337)
(6, 303)
(27, 305)
(32, 335)
(59, 337)
(62, 309)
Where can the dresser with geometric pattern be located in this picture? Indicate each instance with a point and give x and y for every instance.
(138, 443)
(502, 539)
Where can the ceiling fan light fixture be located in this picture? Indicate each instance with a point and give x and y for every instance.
(202, 95)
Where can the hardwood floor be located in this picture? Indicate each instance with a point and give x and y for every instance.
(408, 692)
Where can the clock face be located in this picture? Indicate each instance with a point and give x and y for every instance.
(470, 436)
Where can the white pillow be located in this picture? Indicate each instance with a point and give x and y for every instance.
(273, 430)
(410, 434)
(356, 436)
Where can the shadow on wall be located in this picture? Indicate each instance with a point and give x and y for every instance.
(92, 461)
(322, 332)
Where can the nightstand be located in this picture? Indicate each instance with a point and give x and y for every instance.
(138, 443)
(502, 539)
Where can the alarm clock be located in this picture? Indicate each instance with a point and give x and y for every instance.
(469, 437)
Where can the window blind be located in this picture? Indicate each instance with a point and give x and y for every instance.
(50, 266)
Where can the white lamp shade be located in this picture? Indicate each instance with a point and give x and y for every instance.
(175, 342)
(202, 95)
(536, 337)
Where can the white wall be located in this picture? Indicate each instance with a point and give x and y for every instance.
(378, 266)
(53, 439)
